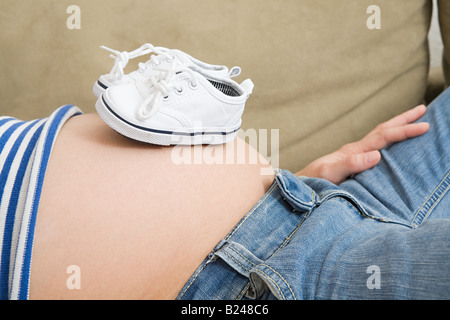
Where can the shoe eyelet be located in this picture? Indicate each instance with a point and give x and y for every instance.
(193, 85)
(142, 69)
(179, 91)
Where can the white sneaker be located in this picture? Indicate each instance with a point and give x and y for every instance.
(176, 105)
(160, 57)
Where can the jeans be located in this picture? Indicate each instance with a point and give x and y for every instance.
(383, 234)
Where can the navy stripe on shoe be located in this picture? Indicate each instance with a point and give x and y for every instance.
(102, 85)
(224, 133)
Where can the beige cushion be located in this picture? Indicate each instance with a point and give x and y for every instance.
(322, 78)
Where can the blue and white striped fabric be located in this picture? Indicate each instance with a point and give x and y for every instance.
(25, 148)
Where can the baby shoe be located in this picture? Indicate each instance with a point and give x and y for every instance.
(160, 57)
(176, 105)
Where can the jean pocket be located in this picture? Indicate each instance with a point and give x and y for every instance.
(359, 207)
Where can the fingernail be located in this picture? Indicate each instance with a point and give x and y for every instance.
(372, 157)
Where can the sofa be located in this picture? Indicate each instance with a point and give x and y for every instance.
(325, 72)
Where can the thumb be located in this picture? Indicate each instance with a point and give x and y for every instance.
(357, 163)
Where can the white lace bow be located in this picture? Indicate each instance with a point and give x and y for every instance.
(121, 59)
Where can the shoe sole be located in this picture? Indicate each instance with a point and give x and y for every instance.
(162, 137)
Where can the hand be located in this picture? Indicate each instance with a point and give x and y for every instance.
(358, 156)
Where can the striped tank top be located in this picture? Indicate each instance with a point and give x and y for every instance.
(25, 148)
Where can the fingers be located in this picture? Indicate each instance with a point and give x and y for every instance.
(397, 129)
(360, 162)
(404, 118)
(408, 131)
(379, 139)
(339, 170)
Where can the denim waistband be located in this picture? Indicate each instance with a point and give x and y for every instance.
(235, 269)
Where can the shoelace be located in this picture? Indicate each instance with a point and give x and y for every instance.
(121, 59)
(163, 83)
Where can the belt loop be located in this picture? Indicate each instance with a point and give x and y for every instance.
(244, 262)
(238, 257)
(299, 195)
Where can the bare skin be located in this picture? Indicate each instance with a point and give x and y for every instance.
(138, 223)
